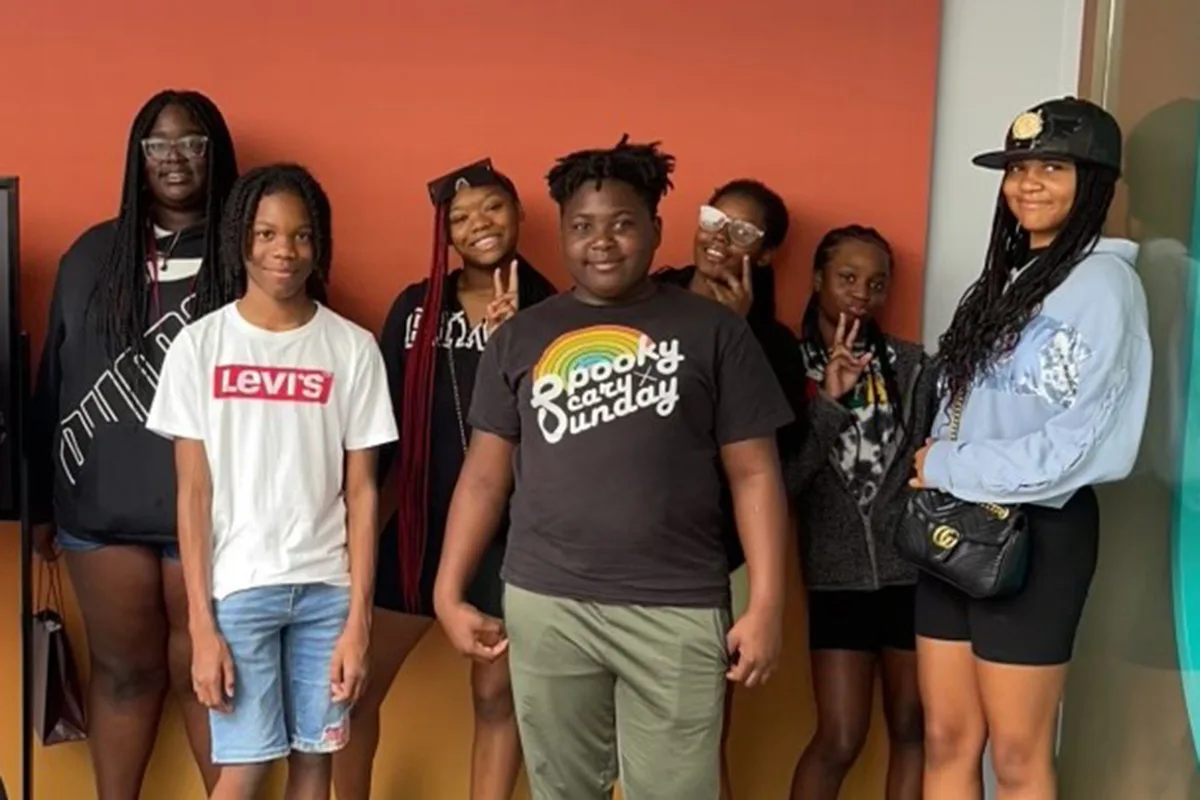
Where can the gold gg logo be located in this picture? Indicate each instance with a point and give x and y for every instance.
(945, 537)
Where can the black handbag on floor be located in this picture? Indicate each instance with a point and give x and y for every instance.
(981, 549)
(59, 712)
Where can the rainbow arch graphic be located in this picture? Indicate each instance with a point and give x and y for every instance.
(585, 347)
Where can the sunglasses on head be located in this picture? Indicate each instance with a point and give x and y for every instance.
(741, 233)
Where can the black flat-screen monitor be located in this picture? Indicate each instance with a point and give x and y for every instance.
(10, 341)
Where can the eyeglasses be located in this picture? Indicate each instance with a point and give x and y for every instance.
(741, 233)
(160, 149)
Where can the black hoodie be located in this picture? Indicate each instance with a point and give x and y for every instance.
(94, 468)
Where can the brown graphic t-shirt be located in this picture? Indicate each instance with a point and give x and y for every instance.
(619, 414)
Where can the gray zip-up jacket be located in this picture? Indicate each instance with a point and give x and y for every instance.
(843, 546)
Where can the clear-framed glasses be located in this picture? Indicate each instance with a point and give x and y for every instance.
(741, 233)
(157, 148)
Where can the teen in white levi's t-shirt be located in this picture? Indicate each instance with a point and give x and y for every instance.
(276, 405)
(276, 411)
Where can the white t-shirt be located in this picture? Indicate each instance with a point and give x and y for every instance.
(277, 412)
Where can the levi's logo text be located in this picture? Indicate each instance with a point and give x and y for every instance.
(590, 377)
(289, 384)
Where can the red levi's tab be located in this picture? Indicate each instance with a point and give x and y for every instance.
(289, 384)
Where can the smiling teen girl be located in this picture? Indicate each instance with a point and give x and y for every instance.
(478, 213)
(124, 290)
(738, 234)
(1046, 368)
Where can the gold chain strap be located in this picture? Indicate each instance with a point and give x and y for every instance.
(956, 412)
(999, 512)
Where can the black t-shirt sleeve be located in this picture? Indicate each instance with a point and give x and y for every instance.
(750, 402)
(494, 400)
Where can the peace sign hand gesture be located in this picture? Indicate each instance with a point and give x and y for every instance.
(736, 293)
(505, 302)
(843, 369)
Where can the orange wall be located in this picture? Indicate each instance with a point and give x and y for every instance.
(831, 103)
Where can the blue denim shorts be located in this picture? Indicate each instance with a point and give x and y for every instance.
(282, 640)
(80, 545)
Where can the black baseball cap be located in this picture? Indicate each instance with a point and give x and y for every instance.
(1067, 128)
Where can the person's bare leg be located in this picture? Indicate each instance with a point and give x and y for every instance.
(120, 595)
(843, 685)
(393, 637)
(308, 776)
(496, 749)
(955, 730)
(179, 663)
(1020, 704)
(240, 782)
(906, 730)
(726, 724)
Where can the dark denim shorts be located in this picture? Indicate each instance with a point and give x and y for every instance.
(74, 543)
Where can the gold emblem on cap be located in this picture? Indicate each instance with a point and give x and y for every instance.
(1027, 126)
(460, 184)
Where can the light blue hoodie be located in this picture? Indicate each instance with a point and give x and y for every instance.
(1065, 409)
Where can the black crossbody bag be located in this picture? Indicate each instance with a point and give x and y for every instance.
(981, 549)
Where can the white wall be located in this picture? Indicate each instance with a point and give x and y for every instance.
(997, 59)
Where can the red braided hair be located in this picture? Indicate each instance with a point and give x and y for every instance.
(414, 434)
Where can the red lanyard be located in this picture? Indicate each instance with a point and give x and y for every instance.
(152, 262)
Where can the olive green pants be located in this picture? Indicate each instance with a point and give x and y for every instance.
(591, 681)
